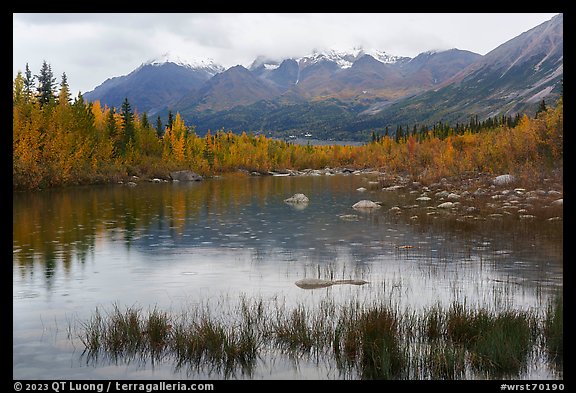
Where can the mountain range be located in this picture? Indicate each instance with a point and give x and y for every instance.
(347, 94)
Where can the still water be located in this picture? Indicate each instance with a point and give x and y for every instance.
(171, 245)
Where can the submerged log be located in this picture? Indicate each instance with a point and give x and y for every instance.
(313, 283)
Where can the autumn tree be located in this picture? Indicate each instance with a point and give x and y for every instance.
(18, 93)
(64, 93)
(114, 132)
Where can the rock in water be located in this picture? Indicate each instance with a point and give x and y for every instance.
(185, 175)
(297, 198)
(348, 217)
(558, 202)
(366, 204)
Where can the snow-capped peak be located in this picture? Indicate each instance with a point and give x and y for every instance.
(346, 57)
(383, 57)
(206, 64)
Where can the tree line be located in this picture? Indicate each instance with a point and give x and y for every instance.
(59, 140)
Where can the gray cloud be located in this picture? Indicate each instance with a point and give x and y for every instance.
(93, 47)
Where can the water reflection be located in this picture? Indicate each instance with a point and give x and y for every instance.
(169, 244)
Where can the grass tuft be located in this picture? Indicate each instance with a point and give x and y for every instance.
(374, 341)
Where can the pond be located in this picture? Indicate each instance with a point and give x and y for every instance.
(176, 245)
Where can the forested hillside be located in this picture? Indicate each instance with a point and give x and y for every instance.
(61, 141)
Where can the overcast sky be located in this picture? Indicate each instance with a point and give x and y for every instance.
(93, 47)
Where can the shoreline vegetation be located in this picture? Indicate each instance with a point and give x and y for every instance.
(369, 340)
(59, 142)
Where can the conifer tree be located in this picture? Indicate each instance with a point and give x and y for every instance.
(127, 121)
(170, 120)
(159, 129)
(110, 126)
(144, 121)
(28, 83)
(541, 108)
(46, 81)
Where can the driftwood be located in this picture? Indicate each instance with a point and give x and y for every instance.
(313, 283)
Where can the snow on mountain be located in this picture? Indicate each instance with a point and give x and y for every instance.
(263, 61)
(346, 57)
(384, 57)
(205, 64)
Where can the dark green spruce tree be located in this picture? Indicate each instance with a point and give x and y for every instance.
(159, 129)
(170, 120)
(46, 83)
(541, 108)
(28, 84)
(127, 123)
(145, 123)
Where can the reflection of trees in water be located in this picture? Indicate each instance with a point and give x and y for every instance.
(62, 226)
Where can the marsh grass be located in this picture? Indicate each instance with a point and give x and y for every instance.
(371, 340)
(433, 323)
(383, 353)
(93, 330)
(443, 360)
(224, 344)
(157, 329)
(498, 343)
(504, 346)
(554, 329)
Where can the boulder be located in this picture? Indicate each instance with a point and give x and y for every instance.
(297, 199)
(446, 205)
(503, 180)
(558, 202)
(366, 204)
(442, 194)
(393, 188)
(185, 175)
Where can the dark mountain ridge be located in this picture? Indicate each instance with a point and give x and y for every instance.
(335, 94)
(512, 78)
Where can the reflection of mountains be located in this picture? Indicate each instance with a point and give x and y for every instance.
(63, 226)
